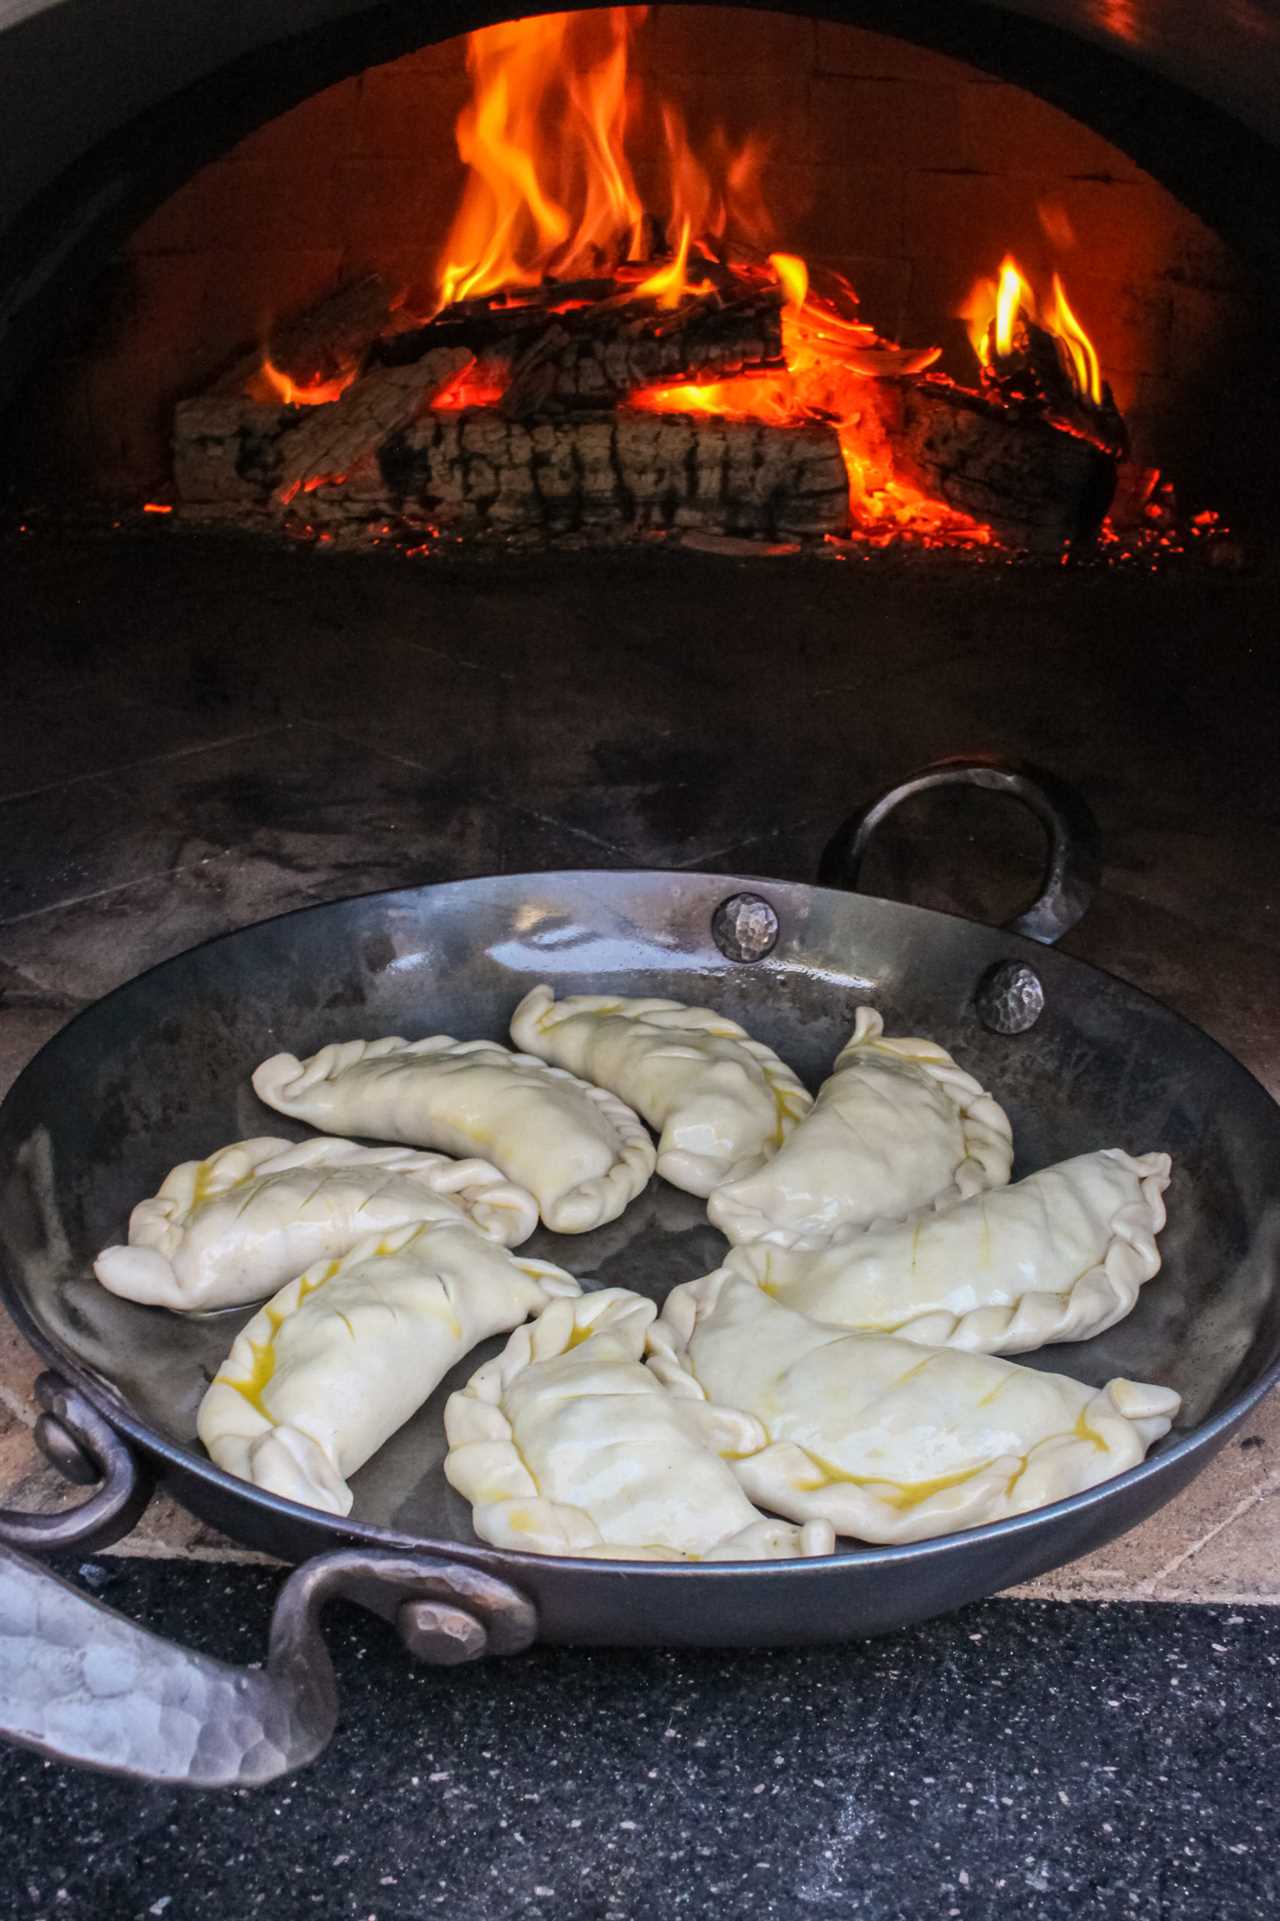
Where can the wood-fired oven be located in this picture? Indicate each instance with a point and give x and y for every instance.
(949, 276)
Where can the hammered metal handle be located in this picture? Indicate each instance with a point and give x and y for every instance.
(85, 1448)
(1074, 858)
(80, 1683)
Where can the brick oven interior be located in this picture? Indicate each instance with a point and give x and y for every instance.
(910, 171)
(206, 727)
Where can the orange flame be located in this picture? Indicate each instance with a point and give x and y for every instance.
(315, 393)
(550, 191)
(993, 308)
(670, 286)
(1080, 349)
(545, 125)
(1012, 295)
(550, 195)
(830, 357)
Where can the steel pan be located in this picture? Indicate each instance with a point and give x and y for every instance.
(157, 1072)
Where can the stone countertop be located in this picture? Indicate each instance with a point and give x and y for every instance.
(1020, 1758)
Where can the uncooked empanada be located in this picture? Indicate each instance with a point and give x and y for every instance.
(344, 1355)
(897, 1127)
(567, 1444)
(1057, 1257)
(887, 1440)
(721, 1102)
(238, 1225)
(578, 1150)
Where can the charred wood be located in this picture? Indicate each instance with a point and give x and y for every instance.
(593, 353)
(322, 342)
(1033, 377)
(476, 470)
(1036, 485)
(226, 452)
(330, 440)
(629, 472)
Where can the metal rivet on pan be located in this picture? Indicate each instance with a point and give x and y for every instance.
(444, 1636)
(1010, 997)
(745, 927)
(59, 1445)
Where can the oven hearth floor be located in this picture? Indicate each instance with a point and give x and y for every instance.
(202, 732)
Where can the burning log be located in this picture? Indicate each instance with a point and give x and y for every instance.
(323, 342)
(565, 408)
(723, 388)
(226, 454)
(588, 351)
(614, 351)
(331, 440)
(1038, 486)
(629, 472)
(474, 470)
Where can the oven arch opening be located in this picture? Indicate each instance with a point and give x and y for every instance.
(1214, 164)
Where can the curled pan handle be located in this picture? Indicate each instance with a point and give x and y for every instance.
(81, 1683)
(1074, 857)
(74, 1436)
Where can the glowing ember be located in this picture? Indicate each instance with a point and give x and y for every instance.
(475, 386)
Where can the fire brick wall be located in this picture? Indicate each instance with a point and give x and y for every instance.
(911, 172)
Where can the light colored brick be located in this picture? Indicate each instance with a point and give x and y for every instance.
(1131, 325)
(320, 124)
(409, 116)
(837, 210)
(1207, 323)
(1219, 1539)
(886, 123)
(252, 290)
(683, 41)
(1005, 129)
(880, 56)
(379, 207)
(769, 107)
(966, 222)
(443, 56)
(1143, 227)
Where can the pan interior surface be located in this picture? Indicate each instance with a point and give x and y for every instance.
(159, 1072)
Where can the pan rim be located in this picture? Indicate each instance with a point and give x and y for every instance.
(1202, 1439)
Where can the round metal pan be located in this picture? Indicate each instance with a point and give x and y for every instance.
(158, 1072)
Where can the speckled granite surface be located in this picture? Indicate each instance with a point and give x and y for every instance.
(199, 734)
(1022, 1759)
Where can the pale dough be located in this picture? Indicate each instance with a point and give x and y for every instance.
(897, 1127)
(579, 1151)
(237, 1225)
(889, 1441)
(721, 1102)
(344, 1355)
(567, 1444)
(1059, 1256)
